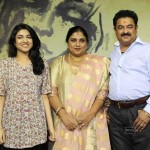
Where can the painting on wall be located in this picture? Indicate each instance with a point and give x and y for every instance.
(51, 19)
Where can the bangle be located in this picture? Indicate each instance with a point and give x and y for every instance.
(58, 109)
(1, 128)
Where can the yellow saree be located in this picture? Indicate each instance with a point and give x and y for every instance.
(77, 93)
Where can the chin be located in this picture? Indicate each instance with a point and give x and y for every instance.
(78, 55)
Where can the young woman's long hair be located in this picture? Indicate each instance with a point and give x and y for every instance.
(34, 53)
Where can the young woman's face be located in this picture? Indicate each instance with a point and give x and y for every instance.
(77, 44)
(23, 41)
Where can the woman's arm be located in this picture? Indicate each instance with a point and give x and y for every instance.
(49, 117)
(68, 120)
(2, 133)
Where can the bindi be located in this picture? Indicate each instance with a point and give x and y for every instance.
(124, 22)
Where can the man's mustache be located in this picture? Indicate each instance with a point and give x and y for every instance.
(125, 34)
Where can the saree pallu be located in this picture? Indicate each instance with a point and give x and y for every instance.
(80, 90)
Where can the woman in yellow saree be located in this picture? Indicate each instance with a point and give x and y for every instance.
(79, 88)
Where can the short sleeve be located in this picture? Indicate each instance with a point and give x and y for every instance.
(3, 76)
(54, 73)
(104, 89)
(46, 85)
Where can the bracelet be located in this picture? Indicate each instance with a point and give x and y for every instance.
(1, 128)
(58, 109)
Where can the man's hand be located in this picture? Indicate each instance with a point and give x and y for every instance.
(142, 120)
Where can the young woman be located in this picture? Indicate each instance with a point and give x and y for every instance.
(79, 88)
(24, 85)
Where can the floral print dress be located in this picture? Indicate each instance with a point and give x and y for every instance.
(24, 118)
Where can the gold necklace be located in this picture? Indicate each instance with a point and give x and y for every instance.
(74, 65)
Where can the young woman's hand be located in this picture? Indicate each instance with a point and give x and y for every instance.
(52, 136)
(2, 136)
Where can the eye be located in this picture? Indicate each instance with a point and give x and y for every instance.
(19, 37)
(120, 27)
(82, 40)
(73, 40)
(29, 37)
(130, 27)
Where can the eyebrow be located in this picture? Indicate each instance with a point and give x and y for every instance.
(23, 35)
(76, 38)
(125, 25)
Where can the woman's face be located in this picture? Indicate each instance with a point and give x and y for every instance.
(23, 41)
(77, 44)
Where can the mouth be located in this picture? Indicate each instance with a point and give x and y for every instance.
(77, 49)
(25, 45)
(126, 35)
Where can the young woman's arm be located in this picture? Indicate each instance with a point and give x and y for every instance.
(49, 117)
(2, 133)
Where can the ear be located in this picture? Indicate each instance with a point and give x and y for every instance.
(114, 28)
(87, 45)
(67, 45)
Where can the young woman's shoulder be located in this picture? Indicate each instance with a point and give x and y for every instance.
(5, 61)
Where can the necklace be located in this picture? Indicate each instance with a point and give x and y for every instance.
(74, 64)
(73, 69)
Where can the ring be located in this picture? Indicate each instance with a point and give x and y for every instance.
(142, 124)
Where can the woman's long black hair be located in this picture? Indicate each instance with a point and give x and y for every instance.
(34, 53)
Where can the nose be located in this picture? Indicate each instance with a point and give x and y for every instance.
(25, 39)
(78, 43)
(125, 30)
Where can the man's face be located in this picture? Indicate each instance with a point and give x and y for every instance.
(126, 31)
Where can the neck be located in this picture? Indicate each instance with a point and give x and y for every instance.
(22, 57)
(76, 59)
(23, 60)
(123, 48)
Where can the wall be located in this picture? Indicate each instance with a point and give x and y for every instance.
(52, 18)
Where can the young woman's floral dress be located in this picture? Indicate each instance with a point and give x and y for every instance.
(23, 116)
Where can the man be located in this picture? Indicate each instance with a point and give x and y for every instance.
(129, 109)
